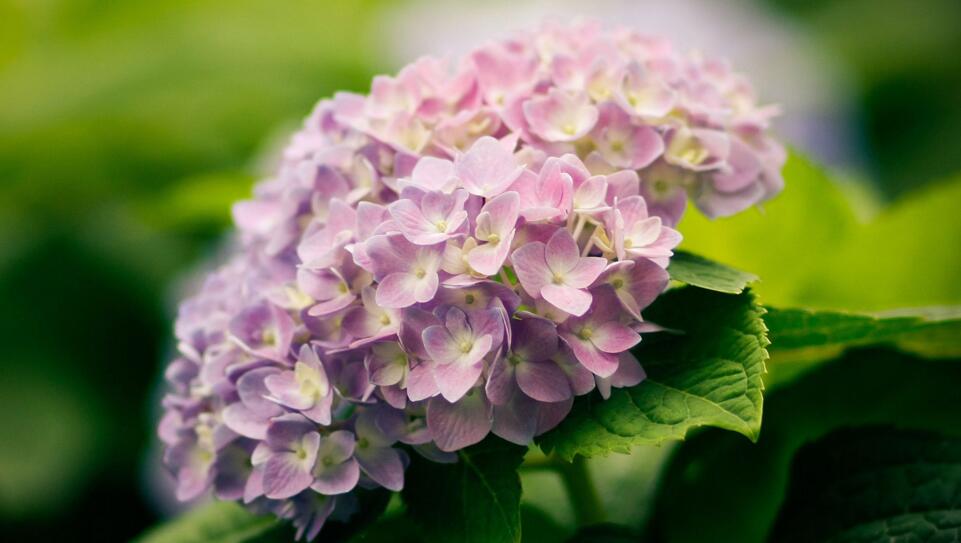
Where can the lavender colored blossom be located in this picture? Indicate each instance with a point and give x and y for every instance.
(461, 252)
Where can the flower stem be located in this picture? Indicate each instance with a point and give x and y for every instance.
(581, 221)
(581, 491)
(590, 243)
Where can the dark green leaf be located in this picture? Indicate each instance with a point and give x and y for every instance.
(700, 272)
(605, 533)
(396, 528)
(734, 488)
(476, 499)
(539, 527)
(874, 484)
(801, 338)
(708, 374)
(220, 522)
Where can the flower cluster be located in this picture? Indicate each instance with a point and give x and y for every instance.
(461, 252)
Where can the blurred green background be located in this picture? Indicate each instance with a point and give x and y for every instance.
(127, 128)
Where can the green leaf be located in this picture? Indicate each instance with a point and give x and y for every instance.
(813, 249)
(709, 374)
(801, 338)
(396, 528)
(539, 527)
(874, 484)
(476, 499)
(605, 533)
(789, 242)
(220, 522)
(701, 272)
(733, 488)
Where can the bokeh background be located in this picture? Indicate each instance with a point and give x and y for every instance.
(127, 128)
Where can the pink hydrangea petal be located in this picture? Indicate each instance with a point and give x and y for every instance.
(336, 479)
(439, 344)
(560, 116)
(647, 146)
(421, 384)
(581, 379)
(567, 298)
(434, 174)
(595, 360)
(286, 474)
(561, 252)
(549, 415)
(458, 425)
(614, 337)
(516, 421)
(456, 322)
(629, 372)
(585, 272)
(338, 446)
(488, 168)
(255, 485)
(454, 380)
(398, 290)
(622, 185)
(500, 385)
(591, 193)
(531, 267)
(252, 390)
(320, 412)
(489, 257)
(543, 381)
(285, 389)
(536, 338)
(413, 224)
(383, 465)
(241, 419)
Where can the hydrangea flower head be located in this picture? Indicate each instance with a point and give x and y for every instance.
(461, 252)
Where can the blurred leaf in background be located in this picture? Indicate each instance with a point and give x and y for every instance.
(811, 249)
(902, 58)
(126, 129)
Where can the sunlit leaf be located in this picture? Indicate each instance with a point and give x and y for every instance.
(700, 272)
(709, 374)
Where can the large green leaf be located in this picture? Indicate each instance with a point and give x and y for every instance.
(220, 522)
(788, 243)
(812, 249)
(733, 488)
(802, 338)
(874, 484)
(700, 272)
(476, 499)
(706, 373)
